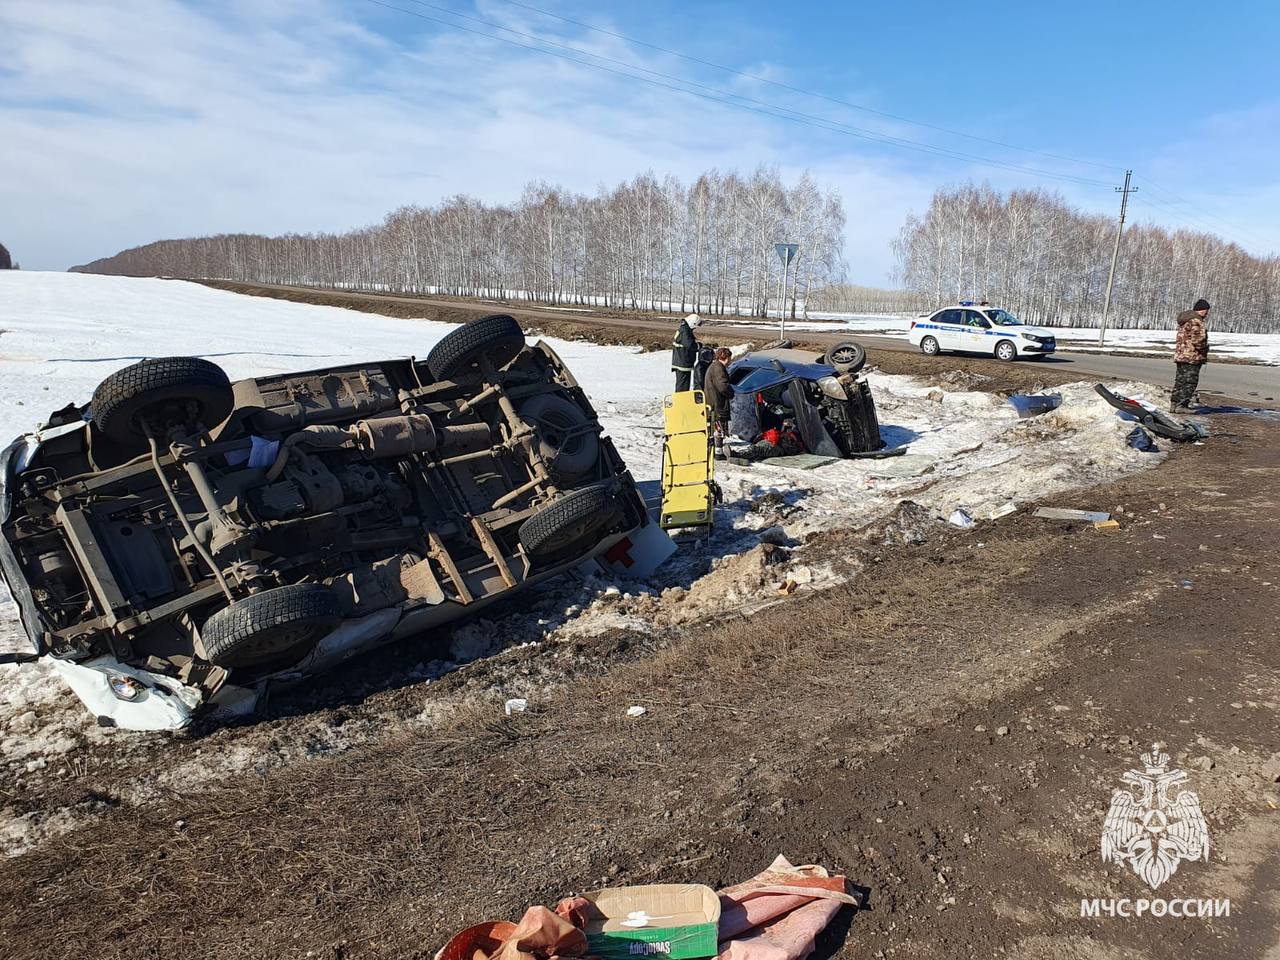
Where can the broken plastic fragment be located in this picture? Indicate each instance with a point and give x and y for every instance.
(125, 688)
(1034, 404)
(516, 705)
(960, 518)
(636, 711)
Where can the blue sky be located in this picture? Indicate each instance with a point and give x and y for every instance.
(146, 119)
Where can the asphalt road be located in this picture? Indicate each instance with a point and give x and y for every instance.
(1244, 384)
(1252, 384)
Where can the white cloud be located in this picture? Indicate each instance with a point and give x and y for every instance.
(149, 119)
(154, 118)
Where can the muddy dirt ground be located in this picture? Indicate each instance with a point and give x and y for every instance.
(945, 727)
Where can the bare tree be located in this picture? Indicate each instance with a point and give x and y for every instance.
(1032, 252)
(646, 243)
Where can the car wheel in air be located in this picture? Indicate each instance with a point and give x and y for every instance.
(571, 523)
(274, 628)
(847, 357)
(929, 347)
(567, 437)
(497, 336)
(161, 392)
(1005, 350)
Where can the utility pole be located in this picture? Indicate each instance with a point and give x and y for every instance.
(1115, 254)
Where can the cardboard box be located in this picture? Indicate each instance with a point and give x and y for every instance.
(679, 921)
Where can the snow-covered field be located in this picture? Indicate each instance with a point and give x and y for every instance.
(1264, 348)
(60, 334)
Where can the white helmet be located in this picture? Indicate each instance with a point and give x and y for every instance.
(693, 320)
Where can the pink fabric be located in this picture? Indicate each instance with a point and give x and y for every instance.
(789, 938)
(778, 913)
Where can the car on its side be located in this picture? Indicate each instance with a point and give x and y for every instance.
(973, 328)
(181, 541)
(823, 392)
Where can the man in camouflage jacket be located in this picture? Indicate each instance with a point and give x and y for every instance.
(1190, 355)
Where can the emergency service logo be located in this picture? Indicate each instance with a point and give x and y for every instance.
(1148, 828)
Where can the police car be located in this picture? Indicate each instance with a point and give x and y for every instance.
(979, 328)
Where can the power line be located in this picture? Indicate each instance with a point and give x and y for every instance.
(808, 93)
(723, 97)
(1175, 198)
(1187, 220)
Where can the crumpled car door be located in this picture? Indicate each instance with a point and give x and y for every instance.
(809, 423)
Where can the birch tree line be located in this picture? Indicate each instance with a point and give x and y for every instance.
(1046, 261)
(646, 243)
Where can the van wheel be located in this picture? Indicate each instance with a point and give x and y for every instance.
(571, 523)
(1006, 351)
(497, 336)
(161, 392)
(274, 628)
(567, 437)
(929, 347)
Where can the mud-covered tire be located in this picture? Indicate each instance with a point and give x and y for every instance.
(847, 357)
(567, 437)
(570, 523)
(929, 347)
(276, 627)
(162, 390)
(497, 336)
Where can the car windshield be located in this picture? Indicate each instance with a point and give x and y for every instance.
(1003, 318)
(761, 378)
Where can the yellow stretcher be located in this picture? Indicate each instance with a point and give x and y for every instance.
(689, 491)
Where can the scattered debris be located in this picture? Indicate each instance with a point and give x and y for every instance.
(636, 711)
(1035, 404)
(960, 518)
(1141, 441)
(1004, 511)
(539, 934)
(803, 461)
(1106, 526)
(1062, 513)
(776, 915)
(905, 465)
(1152, 417)
(779, 913)
(677, 921)
(516, 705)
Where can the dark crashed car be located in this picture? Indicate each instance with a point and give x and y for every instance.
(181, 540)
(823, 393)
